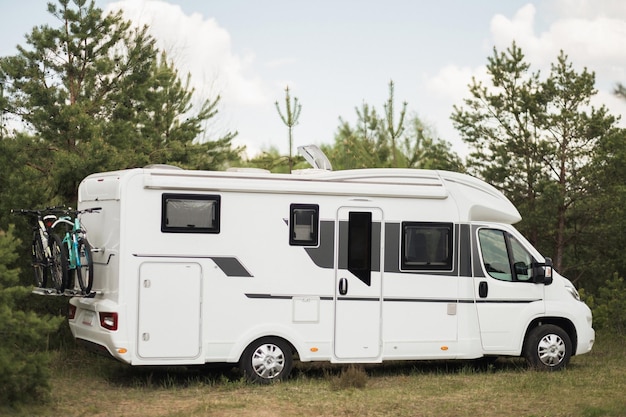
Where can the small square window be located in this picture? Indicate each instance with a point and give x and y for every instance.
(190, 213)
(427, 246)
(303, 224)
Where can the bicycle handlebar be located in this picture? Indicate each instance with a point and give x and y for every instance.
(54, 210)
(39, 212)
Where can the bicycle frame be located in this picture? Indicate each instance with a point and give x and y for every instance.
(78, 251)
(70, 239)
(45, 248)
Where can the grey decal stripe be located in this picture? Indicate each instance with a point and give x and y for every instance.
(324, 255)
(392, 299)
(358, 298)
(426, 300)
(228, 264)
(507, 301)
(231, 266)
(284, 297)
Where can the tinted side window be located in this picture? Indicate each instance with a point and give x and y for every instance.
(190, 213)
(504, 257)
(303, 224)
(427, 246)
(360, 245)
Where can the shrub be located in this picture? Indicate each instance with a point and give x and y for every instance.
(609, 306)
(353, 376)
(24, 360)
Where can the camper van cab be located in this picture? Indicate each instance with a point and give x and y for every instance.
(358, 266)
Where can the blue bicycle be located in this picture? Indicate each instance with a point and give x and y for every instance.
(77, 250)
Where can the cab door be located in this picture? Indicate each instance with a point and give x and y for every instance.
(506, 297)
(358, 284)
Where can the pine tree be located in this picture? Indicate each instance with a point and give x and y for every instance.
(24, 361)
(96, 95)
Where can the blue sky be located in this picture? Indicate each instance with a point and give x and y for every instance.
(336, 55)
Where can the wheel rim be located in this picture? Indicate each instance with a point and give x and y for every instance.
(551, 350)
(268, 361)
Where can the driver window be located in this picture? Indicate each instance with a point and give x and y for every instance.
(495, 255)
(504, 257)
(521, 260)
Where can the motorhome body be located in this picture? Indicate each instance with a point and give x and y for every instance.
(355, 266)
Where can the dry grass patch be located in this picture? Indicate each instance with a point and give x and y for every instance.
(592, 386)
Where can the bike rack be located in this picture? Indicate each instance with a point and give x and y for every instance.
(67, 293)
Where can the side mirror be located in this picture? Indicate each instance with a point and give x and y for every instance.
(542, 273)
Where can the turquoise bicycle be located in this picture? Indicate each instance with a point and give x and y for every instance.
(77, 250)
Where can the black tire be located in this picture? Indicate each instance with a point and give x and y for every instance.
(84, 273)
(266, 360)
(58, 263)
(39, 262)
(548, 348)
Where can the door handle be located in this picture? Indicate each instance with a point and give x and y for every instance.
(483, 289)
(343, 286)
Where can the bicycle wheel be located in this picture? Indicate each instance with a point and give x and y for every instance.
(57, 264)
(39, 261)
(84, 273)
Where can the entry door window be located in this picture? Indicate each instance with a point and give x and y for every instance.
(360, 245)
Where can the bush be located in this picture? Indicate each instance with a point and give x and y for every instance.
(353, 376)
(609, 306)
(24, 359)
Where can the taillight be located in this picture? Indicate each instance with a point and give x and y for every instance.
(71, 312)
(108, 320)
(49, 220)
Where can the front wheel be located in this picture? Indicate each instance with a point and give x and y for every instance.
(84, 271)
(548, 348)
(266, 360)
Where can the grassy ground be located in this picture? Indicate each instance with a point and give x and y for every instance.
(593, 385)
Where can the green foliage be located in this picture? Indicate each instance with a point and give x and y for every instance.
(271, 160)
(290, 119)
(378, 141)
(609, 306)
(24, 361)
(96, 95)
(538, 141)
(394, 132)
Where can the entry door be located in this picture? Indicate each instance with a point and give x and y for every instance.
(358, 283)
(169, 310)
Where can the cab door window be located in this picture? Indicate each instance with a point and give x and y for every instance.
(504, 257)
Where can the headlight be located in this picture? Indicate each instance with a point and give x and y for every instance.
(574, 293)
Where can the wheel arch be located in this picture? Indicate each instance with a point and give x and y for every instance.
(561, 322)
(258, 334)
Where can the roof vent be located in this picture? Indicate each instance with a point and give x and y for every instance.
(315, 157)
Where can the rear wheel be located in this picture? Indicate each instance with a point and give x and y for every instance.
(548, 348)
(267, 360)
(39, 262)
(84, 273)
(57, 264)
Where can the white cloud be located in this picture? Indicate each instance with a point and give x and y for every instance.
(591, 33)
(199, 46)
(591, 8)
(452, 82)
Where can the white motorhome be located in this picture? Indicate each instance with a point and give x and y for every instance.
(355, 266)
